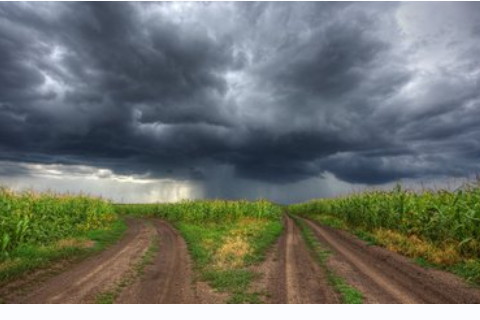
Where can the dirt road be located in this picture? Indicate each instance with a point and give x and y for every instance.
(292, 275)
(386, 277)
(167, 280)
(81, 283)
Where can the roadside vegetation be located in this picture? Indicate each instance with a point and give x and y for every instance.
(109, 296)
(203, 210)
(225, 238)
(348, 294)
(437, 228)
(38, 228)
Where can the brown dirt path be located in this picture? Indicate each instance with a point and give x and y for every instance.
(291, 275)
(386, 277)
(82, 282)
(169, 278)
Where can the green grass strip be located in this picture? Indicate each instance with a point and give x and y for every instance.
(348, 293)
(109, 296)
(235, 281)
(469, 269)
(30, 257)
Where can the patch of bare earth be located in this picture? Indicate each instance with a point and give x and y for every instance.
(204, 294)
(169, 279)
(386, 277)
(11, 290)
(34, 278)
(83, 281)
(291, 275)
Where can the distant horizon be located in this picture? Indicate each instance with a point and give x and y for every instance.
(451, 184)
(157, 102)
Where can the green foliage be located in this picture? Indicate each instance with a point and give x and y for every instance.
(109, 296)
(469, 269)
(222, 252)
(440, 217)
(348, 293)
(224, 238)
(204, 210)
(262, 241)
(30, 218)
(29, 257)
(245, 297)
(229, 280)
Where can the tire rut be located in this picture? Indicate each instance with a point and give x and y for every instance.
(386, 277)
(82, 282)
(169, 278)
(292, 275)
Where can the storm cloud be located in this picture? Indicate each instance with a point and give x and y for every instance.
(240, 99)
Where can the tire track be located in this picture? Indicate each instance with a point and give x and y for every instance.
(292, 275)
(81, 283)
(386, 277)
(169, 278)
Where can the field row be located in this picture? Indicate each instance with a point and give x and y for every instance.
(226, 238)
(438, 228)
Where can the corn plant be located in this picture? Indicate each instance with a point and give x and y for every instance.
(40, 219)
(204, 210)
(437, 216)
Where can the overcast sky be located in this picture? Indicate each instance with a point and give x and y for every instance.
(288, 101)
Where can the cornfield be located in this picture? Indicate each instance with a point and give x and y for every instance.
(439, 217)
(43, 218)
(205, 210)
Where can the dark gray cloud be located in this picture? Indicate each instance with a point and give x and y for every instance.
(278, 92)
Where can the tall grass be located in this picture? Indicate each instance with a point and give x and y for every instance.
(440, 217)
(204, 210)
(29, 218)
